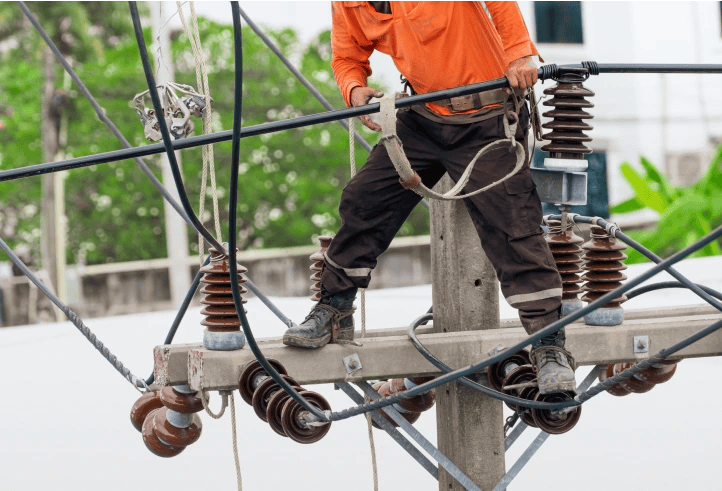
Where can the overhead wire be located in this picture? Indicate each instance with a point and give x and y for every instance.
(364, 408)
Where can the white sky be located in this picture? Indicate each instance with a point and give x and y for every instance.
(65, 423)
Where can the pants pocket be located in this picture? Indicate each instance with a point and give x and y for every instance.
(525, 212)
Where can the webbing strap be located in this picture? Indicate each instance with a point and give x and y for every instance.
(409, 179)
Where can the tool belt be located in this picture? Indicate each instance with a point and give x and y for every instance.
(475, 101)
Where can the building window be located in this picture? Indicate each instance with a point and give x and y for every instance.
(558, 22)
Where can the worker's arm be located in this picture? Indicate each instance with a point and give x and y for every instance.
(350, 52)
(521, 70)
(350, 61)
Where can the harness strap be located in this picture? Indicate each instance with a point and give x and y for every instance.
(409, 179)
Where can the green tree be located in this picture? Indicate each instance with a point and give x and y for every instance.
(290, 182)
(686, 214)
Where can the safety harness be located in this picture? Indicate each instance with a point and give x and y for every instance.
(409, 179)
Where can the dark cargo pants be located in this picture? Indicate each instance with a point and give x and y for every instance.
(507, 217)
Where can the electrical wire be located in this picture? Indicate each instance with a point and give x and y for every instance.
(138, 383)
(466, 381)
(172, 161)
(232, 210)
(669, 284)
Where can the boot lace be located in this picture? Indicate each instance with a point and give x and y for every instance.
(546, 354)
(317, 313)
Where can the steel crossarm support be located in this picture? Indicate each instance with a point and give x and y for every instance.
(395, 356)
(540, 439)
(443, 461)
(393, 432)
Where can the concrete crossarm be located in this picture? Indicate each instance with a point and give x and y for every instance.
(389, 353)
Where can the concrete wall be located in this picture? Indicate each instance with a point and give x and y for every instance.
(142, 286)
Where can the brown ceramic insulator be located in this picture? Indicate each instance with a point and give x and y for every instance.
(659, 373)
(252, 376)
(220, 310)
(264, 392)
(604, 267)
(616, 389)
(180, 402)
(317, 265)
(556, 425)
(519, 375)
(632, 384)
(273, 411)
(525, 415)
(567, 126)
(153, 443)
(142, 407)
(498, 371)
(411, 408)
(291, 419)
(566, 250)
(172, 435)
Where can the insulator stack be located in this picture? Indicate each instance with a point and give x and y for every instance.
(411, 408)
(566, 252)
(641, 382)
(223, 327)
(499, 371)
(317, 265)
(567, 149)
(604, 268)
(521, 382)
(274, 406)
(167, 419)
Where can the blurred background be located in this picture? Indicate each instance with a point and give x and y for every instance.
(103, 237)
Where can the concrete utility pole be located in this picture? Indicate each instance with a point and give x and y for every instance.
(49, 125)
(176, 232)
(466, 297)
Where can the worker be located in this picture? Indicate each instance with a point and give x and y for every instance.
(436, 46)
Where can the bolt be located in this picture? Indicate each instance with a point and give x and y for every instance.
(352, 363)
(641, 344)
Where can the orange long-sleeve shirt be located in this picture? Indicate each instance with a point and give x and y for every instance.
(435, 45)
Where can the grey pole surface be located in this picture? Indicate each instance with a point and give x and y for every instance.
(465, 292)
(176, 233)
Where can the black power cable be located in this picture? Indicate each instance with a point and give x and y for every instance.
(232, 211)
(465, 380)
(172, 161)
(670, 284)
(550, 329)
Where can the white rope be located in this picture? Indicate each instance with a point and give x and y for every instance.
(352, 159)
(239, 480)
(205, 399)
(206, 150)
(373, 447)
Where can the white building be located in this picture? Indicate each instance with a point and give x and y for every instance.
(672, 119)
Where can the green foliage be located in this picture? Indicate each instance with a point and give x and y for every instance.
(290, 182)
(686, 214)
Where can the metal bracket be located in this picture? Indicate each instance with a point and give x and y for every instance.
(641, 344)
(560, 187)
(352, 363)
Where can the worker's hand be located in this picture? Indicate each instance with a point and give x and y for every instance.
(360, 96)
(522, 73)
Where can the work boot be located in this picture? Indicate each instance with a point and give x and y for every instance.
(554, 366)
(334, 312)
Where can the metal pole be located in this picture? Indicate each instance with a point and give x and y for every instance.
(176, 233)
